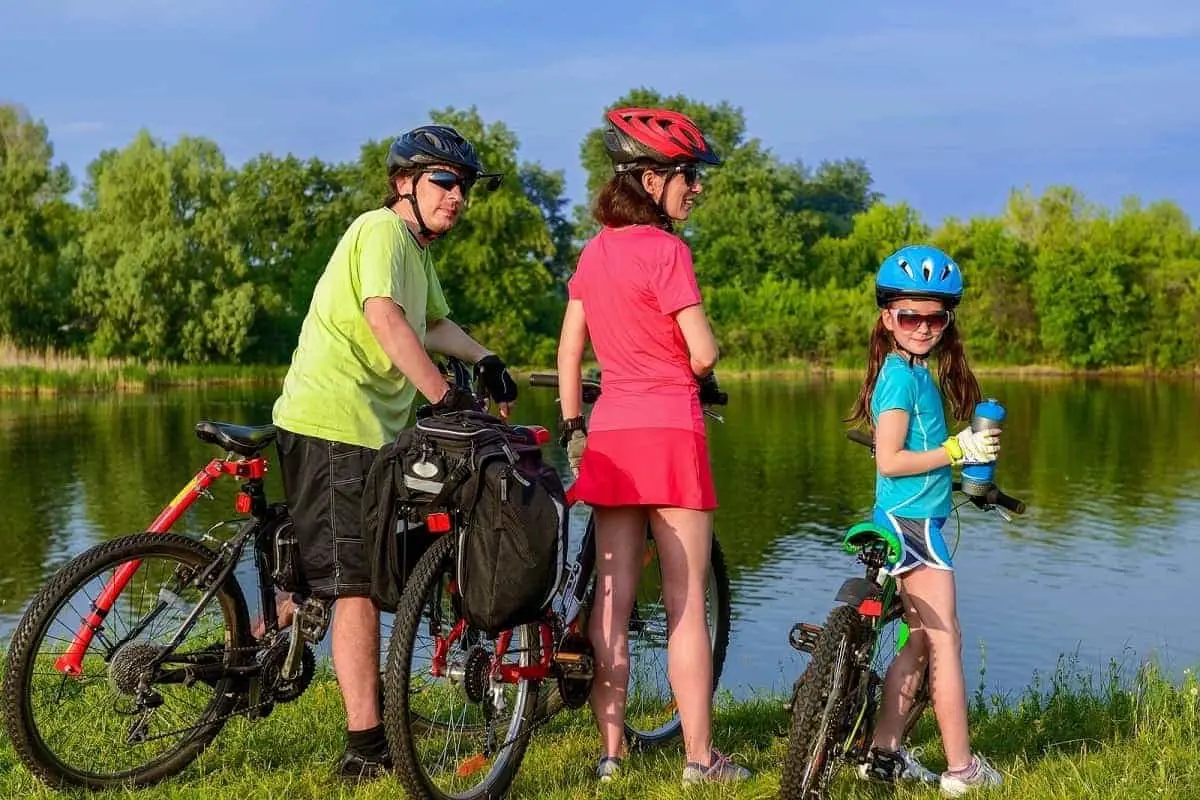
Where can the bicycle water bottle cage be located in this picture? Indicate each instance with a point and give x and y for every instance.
(865, 534)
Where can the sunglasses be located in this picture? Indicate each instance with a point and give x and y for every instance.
(690, 172)
(447, 180)
(909, 321)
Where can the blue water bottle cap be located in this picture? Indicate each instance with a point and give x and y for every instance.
(991, 408)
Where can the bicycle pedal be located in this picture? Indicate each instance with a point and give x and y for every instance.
(803, 636)
(312, 620)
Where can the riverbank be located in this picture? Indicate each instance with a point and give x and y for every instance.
(1068, 736)
(89, 377)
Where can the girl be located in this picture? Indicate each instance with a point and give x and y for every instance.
(917, 289)
(635, 295)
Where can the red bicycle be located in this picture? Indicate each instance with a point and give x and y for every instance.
(127, 664)
(460, 706)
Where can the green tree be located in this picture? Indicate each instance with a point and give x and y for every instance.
(997, 314)
(288, 215)
(37, 226)
(164, 276)
(743, 227)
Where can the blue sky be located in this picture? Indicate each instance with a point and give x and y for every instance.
(950, 103)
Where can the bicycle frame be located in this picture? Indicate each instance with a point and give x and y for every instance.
(70, 663)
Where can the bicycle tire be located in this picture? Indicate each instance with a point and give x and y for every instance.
(23, 731)
(437, 561)
(550, 701)
(817, 711)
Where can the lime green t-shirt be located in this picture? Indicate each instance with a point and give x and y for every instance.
(341, 385)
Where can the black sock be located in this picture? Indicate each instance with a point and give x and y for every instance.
(371, 743)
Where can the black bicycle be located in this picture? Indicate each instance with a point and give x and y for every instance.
(835, 701)
(129, 661)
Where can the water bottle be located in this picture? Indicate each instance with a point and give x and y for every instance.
(977, 478)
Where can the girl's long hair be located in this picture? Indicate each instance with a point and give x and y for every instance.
(955, 379)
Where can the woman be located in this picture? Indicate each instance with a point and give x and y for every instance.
(634, 294)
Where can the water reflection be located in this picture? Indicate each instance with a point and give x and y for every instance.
(1109, 470)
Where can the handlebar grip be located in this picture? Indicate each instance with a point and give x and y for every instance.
(544, 379)
(999, 498)
(860, 437)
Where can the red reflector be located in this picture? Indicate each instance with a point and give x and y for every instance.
(438, 522)
(242, 503)
(870, 607)
(540, 434)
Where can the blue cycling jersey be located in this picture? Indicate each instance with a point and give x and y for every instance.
(912, 389)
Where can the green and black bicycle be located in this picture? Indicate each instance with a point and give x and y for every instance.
(835, 702)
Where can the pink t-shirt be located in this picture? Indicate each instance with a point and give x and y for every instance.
(632, 281)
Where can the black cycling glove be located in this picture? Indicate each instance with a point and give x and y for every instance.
(710, 393)
(499, 384)
(453, 400)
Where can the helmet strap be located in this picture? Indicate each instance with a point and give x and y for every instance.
(422, 228)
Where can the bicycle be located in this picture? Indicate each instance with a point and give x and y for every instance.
(493, 686)
(188, 641)
(834, 702)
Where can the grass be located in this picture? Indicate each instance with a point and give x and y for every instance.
(52, 372)
(1069, 735)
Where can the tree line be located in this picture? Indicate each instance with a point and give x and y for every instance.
(172, 254)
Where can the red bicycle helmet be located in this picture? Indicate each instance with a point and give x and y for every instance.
(655, 134)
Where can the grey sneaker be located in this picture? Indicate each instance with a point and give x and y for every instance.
(608, 769)
(719, 770)
(979, 775)
(900, 766)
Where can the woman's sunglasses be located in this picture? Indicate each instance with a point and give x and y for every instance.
(690, 172)
(910, 321)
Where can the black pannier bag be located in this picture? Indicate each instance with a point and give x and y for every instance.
(508, 505)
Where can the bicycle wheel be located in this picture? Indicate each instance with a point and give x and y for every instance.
(125, 720)
(654, 719)
(459, 736)
(821, 712)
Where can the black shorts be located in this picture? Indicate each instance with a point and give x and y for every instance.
(323, 482)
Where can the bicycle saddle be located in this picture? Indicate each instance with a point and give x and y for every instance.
(245, 440)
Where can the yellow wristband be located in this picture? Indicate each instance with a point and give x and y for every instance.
(954, 449)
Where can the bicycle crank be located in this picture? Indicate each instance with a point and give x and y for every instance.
(309, 624)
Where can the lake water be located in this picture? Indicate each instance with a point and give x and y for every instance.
(1100, 568)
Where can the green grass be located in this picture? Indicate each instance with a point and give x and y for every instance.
(1069, 735)
(34, 380)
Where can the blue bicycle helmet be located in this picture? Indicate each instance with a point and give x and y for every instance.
(919, 271)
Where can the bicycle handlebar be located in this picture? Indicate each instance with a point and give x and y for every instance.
(591, 388)
(549, 380)
(992, 497)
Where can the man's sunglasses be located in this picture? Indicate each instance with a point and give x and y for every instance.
(447, 180)
(909, 321)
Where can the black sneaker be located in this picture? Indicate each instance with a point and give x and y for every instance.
(359, 768)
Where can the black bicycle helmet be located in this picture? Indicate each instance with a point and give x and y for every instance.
(428, 145)
(433, 145)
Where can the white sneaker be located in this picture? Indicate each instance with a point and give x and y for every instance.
(900, 766)
(982, 775)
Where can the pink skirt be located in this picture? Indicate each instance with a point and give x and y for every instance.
(647, 467)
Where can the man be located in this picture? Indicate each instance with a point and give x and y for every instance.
(350, 388)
